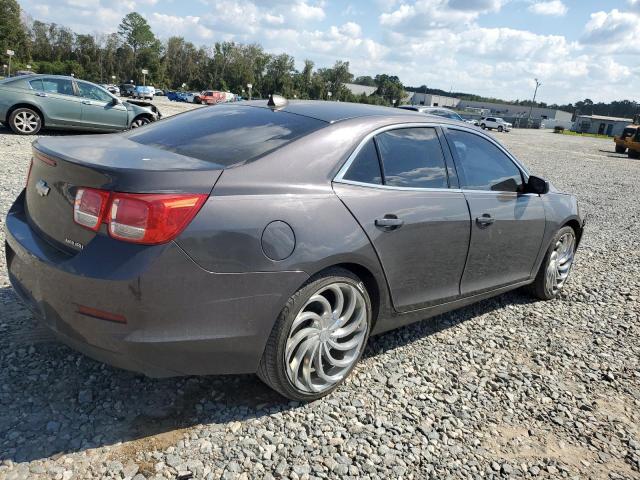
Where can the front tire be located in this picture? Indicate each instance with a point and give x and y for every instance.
(633, 154)
(319, 336)
(25, 121)
(556, 266)
(483, 126)
(500, 128)
(140, 122)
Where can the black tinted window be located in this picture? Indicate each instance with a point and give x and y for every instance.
(365, 167)
(482, 165)
(412, 157)
(226, 134)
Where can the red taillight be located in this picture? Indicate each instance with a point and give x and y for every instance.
(139, 218)
(89, 207)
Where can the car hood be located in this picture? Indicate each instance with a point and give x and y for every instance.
(137, 109)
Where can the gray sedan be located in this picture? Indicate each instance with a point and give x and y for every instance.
(276, 238)
(30, 103)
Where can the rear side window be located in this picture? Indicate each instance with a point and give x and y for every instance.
(482, 165)
(412, 157)
(57, 85)
(226, 134)
(36, 84)
(366, 166)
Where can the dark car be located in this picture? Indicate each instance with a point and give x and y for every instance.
(276, 238)
(438, 111)
(127, 90)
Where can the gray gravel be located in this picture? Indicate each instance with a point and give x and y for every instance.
(504, 388)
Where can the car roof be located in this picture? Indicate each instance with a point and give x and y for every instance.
(333, 111)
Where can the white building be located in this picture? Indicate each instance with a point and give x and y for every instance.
(429, 100)
(599, 124)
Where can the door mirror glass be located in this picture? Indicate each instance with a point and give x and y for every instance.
(115, 101)
(537, 185)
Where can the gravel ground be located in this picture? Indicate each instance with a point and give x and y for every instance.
(506, 387)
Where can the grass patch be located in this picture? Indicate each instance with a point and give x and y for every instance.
(578, 134)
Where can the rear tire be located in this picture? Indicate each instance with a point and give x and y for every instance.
(620, 149)
(500, 128)
(556, 266)
(483, 126)
(25, 121)
(300, 360)
(633, 154)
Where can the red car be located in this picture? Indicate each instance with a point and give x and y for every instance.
(211, 97)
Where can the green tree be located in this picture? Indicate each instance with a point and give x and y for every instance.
(136, 33)
(12, 32)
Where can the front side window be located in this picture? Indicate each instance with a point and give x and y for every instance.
(93, 92)
(412, 157)
(366, 166)
(57, 85)
(482, 165)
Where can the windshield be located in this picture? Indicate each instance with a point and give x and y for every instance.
(226, 134)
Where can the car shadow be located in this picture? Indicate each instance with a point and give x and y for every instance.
(55, 400)
(612, 154)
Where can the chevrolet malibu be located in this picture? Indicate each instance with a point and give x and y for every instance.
(32, 102)
(276, 237)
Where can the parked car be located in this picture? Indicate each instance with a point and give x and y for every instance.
(285, 263)
(496, 123)
(193, 97)
(127, 89)
(439, 111)
(28, 104)
(143, 92)
(211, 97)
(627, 134)
(158, 92)
(633, 145)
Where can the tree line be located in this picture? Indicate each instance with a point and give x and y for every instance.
(119, 57)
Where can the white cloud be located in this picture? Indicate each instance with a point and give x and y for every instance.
(553, 8)
(308, 12)
(167, 25)
(613, 30)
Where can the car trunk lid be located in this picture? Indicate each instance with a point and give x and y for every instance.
(61, 165)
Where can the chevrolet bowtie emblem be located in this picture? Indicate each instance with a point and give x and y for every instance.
(42, 188)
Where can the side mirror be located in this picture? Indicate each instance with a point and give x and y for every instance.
(115, 101)
(537, 185)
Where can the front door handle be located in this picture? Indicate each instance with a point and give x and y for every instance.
(485, 220)
(41, 94)
(86, 102)
(389, 222)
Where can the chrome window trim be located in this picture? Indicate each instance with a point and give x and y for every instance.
(339, 178)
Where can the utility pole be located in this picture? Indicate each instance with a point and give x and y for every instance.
(538, 84)
(11, 53)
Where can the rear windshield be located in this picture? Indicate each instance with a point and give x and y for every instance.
(226, 134)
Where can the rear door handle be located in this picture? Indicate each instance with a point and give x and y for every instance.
(485, 220)
(86, 102)
(389, 222)
(41, 94)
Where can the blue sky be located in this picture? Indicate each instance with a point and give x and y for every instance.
(577, 48)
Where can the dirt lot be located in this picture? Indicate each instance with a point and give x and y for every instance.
(506, 387)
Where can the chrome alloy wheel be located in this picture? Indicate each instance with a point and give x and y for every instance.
(326, 337)
(26, 122)
(560, 262)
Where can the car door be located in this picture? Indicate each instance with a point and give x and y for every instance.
(507, 225)
(56, 98)
(98, 110)
(396, 185)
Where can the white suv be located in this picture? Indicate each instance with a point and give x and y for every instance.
(495, 122)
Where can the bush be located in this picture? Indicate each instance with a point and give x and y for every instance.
(558, 129)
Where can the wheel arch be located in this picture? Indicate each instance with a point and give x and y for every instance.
(141, 115)
(25, 105)
(577, 228)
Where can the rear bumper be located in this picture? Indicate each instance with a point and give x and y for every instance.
(180, 319)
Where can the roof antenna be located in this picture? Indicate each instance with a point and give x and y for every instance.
(277, 101)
